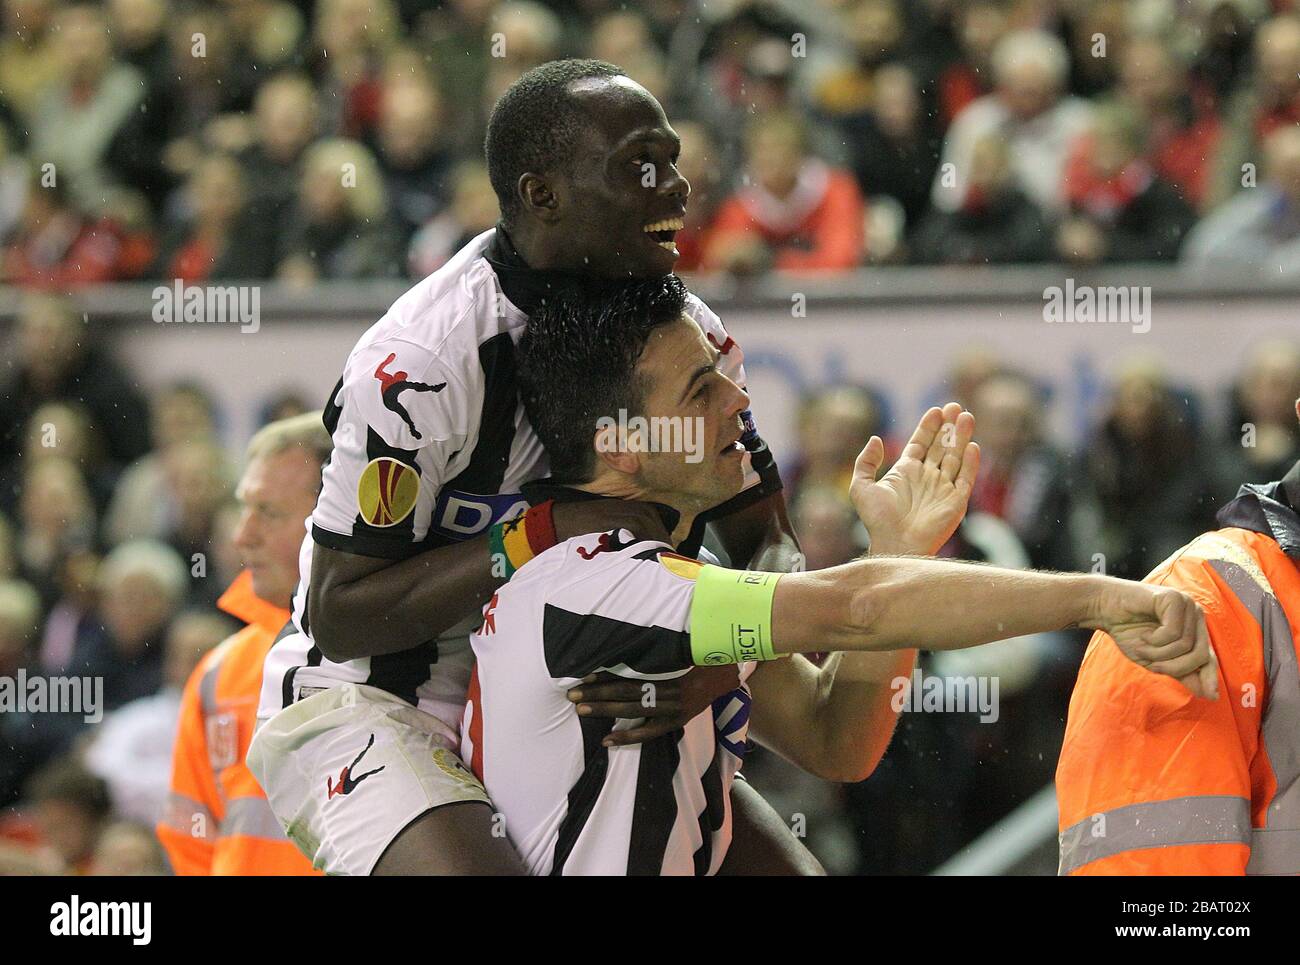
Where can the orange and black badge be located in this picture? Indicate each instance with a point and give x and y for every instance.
(387, 491)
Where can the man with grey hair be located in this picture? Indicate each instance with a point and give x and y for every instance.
(1028, 112)
(1259, 228)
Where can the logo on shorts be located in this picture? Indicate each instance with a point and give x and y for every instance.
(451, 765)
(387, 491)
(393, 384)
(347, 783)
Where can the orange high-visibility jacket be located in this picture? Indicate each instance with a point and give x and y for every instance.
(218, 821)
(1153, 781)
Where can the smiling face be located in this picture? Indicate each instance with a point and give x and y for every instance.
(697, 409)
(620, 183)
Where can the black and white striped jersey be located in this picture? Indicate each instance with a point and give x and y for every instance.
(432, 446)
(603, 602)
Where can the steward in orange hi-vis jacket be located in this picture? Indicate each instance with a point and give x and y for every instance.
(218, 821)
(1153, 781)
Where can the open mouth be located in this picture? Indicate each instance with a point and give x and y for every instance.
(663, 232)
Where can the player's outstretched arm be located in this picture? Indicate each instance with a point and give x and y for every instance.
(892, 603)
(363, 606)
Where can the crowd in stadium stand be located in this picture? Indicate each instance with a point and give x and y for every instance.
(302, 140)
(205, 141)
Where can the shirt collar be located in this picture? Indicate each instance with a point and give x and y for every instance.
(241, 602)
(524, 286)
(1272, 509)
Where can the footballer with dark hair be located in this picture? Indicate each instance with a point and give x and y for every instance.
(419, 518)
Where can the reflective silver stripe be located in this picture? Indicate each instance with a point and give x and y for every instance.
(190, 817)
(1280, 726)
(253, 818)
(208, 689)
(1208, 819)
(1274, 852)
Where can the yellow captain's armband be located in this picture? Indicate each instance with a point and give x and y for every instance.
(731, 616)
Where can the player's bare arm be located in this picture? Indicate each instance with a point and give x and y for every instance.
(879, 604)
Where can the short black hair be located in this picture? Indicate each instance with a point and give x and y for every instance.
(576, 359)
(535, 124)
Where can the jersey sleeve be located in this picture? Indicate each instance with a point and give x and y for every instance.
(623, 612)
(398, 418)
(1152, 781)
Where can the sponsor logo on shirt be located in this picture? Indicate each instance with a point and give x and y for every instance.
(461, 515)
(393, 384)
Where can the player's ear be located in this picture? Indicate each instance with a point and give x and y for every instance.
(538, 197)
(615, 449)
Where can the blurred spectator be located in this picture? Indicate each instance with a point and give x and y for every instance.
(141, 587)
(80, 116)
(1221, 32)
(524, 33)
(69, 809)
(56, 518)
(56, 245)
(1260, 227)
(199, 482)
(623, 37)
(1180, 136)
(829, 530)
(285, 116)
(220, 239)
(1023, 479)
(1269, 103)
(412, 155)
(457, 38)
(268, 36)
(1029, 112)
(142, 505)
(57, 360)
(834, 424)
(127, 849)
(894, 147)
(14, 178)
(1261, 438)
(20, 624)
(1086, 27)
(61, 430)
(979, 26)
(339, 227)
(473, 210)
(350, 39)
(1120, 209)
(132, 749)
(797, 212)
(29, 62)
(700, 164)
(1146, 474)
(995, 223)
(875, 32)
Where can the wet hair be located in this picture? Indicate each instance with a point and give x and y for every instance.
(577, 359)
(535, 125)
